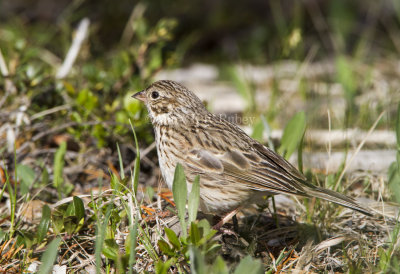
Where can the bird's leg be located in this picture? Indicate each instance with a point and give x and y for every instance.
(226, 218)
(235, 224)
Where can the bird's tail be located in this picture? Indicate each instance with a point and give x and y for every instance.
(337, 198)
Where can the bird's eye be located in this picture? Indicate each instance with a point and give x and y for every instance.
(155, 95)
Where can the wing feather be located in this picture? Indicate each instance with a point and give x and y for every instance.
(256, 167)
(236, 167)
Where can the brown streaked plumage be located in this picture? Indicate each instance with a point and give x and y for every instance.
(233, 167)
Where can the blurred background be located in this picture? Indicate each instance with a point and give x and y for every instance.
(316, 80)
(256, 62)
(219, 31)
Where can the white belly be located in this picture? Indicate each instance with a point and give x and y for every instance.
(166, 172)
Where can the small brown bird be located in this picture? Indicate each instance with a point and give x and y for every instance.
(234, 169)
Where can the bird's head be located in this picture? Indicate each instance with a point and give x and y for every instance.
(169, 102)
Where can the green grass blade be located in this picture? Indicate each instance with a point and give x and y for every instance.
(242, 86)
(132, 245)
(398, 137)
(121, 164)
(179, 190)
(258, 130)
(137, 161)
(300, 154)
(100, 236)
(268, 130)
(49, 256)
(194, 199)
(292, 134)
(346, 77)
(147, 243)
(44, 223)
(136, 174)
(13, 200)
(59, 166)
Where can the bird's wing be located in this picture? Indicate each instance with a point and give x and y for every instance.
(278, 161)
(247, 168)
(260, 169)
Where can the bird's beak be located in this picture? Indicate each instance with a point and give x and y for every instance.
(140, 96)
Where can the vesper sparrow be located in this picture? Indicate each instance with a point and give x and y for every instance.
(234, 169)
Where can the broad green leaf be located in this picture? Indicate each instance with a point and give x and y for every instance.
(76, 208)
(58, 223)
(213, 248)
(249, 266)
(258, 130)
(59, 165)
(208, 233)
(27, 176)
(70, 224)
(194, 199)
(25, 238)
(179, 190)
(194, 233)
(49, 256)
(394, 181)
(111, 249)
(150, 192)
(79, 208)
(163, 267)
(45, 177)
(292, 135)
(44, 224)
(173, 239)
(165, 248)
(70, 209)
